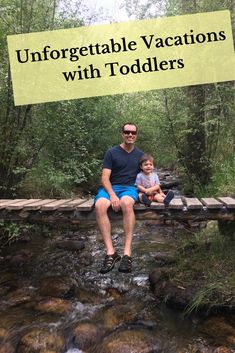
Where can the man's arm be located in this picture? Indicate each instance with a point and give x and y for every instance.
(105, 180)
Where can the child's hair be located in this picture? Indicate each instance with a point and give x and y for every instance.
(145, 158)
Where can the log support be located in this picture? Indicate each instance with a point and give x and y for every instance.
(78, 211)
(75, 217)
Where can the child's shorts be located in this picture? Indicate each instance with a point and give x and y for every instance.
(151, 197)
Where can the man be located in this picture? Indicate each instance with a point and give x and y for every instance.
(120, 167)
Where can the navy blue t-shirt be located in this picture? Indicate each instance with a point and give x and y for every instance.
(124, 165)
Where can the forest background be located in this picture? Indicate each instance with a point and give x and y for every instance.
(56, 149)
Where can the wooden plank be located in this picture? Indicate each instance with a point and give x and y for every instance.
(52, 206)
(68, 206)
(14, 203)
(87, 205)
(157, 206)
(228, 201)
(192, 203)
(33, 206)
(4, 203)
(176, 203)
(210, 202)
(19, 205)
(139, 206)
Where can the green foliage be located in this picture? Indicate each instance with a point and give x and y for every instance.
(208, 260)
(223, 178)
(55, 149)
(204, 296)
(227, 228)
(194, 121)
(52, 133)
(11, 232)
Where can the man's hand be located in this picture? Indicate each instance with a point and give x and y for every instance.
(115, 202)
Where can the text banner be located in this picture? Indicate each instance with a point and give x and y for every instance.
(122, 57)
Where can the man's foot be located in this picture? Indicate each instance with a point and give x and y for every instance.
(146, 200)
(169, 196)
(109, 262)
(125, 264)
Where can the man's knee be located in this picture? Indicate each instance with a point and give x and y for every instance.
(102, 205)
(127, 204)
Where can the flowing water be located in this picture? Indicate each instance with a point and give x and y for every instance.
(33, 272)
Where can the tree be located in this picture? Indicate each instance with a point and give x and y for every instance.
(22, 136)
(196, 117)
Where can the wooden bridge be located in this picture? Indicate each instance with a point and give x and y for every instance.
(77, 210)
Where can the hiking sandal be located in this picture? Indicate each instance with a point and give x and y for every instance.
(109, 262)
(125, 264)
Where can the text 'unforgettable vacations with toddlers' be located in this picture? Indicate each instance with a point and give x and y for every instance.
(121, 57)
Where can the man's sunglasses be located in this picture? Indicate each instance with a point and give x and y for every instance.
(128, 132)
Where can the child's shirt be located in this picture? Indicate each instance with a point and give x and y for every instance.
(147, 181)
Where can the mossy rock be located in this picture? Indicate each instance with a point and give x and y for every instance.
(126, 341)
(38, 340)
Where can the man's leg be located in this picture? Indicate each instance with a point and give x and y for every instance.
(104, 225)
(127, 204)
(101, 207)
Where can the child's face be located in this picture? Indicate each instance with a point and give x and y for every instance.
(147, 167)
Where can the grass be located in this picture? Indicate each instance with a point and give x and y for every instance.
(207, 261)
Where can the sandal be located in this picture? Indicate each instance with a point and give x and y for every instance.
(126, 264)
(109, 262)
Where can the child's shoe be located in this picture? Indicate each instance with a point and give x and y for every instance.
(169, 196)
(146, 200)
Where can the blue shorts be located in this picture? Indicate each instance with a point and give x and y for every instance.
(120, 191)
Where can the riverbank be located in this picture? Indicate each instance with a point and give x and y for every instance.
(200, 279)
(200, 276)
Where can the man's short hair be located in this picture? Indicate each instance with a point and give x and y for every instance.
(129, 123)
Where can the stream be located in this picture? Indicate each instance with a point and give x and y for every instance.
(53, 299)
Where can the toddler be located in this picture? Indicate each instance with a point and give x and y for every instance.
(148, 183)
